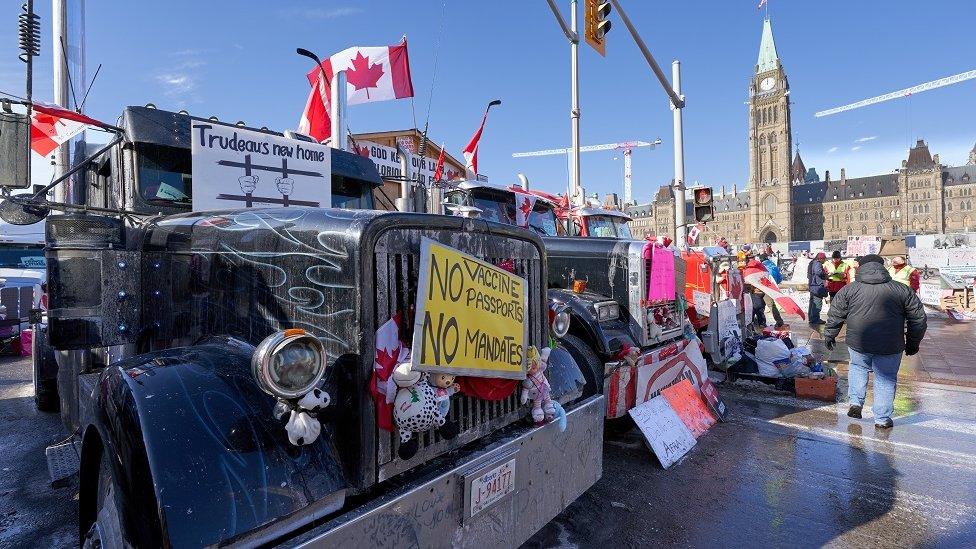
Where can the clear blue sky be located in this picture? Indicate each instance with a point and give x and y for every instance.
(236, 60)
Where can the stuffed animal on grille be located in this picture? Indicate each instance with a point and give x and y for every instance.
(301, 418)
(415, 409)
(536, 387)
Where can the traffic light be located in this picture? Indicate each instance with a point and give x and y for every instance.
(704, 204)
(597, 24)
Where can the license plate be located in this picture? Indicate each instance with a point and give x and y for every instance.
(491, 486)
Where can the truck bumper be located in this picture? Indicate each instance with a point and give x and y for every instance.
(551, 469)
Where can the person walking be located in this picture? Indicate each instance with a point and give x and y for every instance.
(768, 301)
(817, 284)
(884, 319)
(838, 274)
(901, 271)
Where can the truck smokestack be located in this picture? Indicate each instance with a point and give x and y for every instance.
(523, 181)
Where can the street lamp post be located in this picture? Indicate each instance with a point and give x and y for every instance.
(572, 34)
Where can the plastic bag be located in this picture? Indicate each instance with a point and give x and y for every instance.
(772, 357)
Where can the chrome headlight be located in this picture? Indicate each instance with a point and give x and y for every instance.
(607, 310)
(289, 363)
(559, 319)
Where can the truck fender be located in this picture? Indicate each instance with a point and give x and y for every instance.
(197, 453)
(604, 338)
(566, 380)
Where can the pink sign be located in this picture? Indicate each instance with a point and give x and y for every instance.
(660, 283)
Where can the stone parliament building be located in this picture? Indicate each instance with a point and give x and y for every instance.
(784, 201)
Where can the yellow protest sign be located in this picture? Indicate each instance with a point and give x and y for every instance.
(472, 317)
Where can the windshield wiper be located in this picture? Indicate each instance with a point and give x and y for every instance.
(168, 201)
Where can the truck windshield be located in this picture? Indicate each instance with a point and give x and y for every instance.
(164, 174)
(350, 194)
(608, 226)
(499, 206)
(22, 256)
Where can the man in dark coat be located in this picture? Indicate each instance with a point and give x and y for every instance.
(877, 311)
(817, 283)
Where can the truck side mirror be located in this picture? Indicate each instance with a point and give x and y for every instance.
(22, 211)
(14, 149)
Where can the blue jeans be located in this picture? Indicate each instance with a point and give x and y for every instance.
(885, 369)
(813, 311)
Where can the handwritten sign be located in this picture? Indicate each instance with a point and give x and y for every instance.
(667, 435)
(239, 168)
(688, 404)
(930, 294)
(472, 317)
(863, 245)
(703, 302)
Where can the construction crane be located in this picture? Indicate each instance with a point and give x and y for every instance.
(948, 80)
(627, 146)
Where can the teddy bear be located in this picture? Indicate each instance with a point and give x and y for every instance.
(300, 417)
(416, 410)
(536, 387)
(444, 388)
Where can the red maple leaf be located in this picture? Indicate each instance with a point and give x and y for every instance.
(362, 75)
(526, 207)
(386, 361)
(363, 151)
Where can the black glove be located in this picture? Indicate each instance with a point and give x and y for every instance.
(829, 343)
(911, 349)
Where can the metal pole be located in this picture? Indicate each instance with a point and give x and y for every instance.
(628, 177)
(337, 100)
(676, 100)
(679, 159)
(30, 89)
(576, 189)
(59, 26)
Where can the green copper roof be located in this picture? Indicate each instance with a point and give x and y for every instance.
(767, 49)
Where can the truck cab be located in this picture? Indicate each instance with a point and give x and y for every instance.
(222, 372)
(602, 281)
(599, 223)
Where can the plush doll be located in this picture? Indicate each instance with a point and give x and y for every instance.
(444, 388)
(415, 409)
(536, 387)
(300, 418)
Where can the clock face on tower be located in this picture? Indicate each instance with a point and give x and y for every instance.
(767, 83)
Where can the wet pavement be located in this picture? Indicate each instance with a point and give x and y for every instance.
(781, 472)
(32, 513)
(789, 473)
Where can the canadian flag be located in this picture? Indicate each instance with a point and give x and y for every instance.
(524, 203)
(757, 276)
(52, 125)
(471, 149)
(379, 73)
(694, 232)
(439, 169)
(390, 351)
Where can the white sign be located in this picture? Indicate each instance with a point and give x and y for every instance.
(491, 487)
(238, 168)
(921, 257)
(800, 270)
(863, 245)
(703, 302)
(668, 436)
(930, 294)
(387, 161)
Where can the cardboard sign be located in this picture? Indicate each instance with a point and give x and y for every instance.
(688, 363)
(667, 435)
(472, 317)
(930, 294)
(863, 245)
(710, 394)
(729, 331)
(688, 404)
(703, 302)
(238, 168)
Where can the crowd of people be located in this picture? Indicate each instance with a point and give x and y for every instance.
(879, 305)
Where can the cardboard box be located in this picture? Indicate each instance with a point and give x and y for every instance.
(819, 389)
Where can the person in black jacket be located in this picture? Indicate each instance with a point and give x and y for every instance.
(876, 310)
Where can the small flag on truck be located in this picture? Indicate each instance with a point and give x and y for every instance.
(52, 125)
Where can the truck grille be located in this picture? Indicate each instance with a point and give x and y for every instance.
(395, 275)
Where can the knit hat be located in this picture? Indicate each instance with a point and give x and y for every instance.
(835, 255)
(820, 256)
(870, 258)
